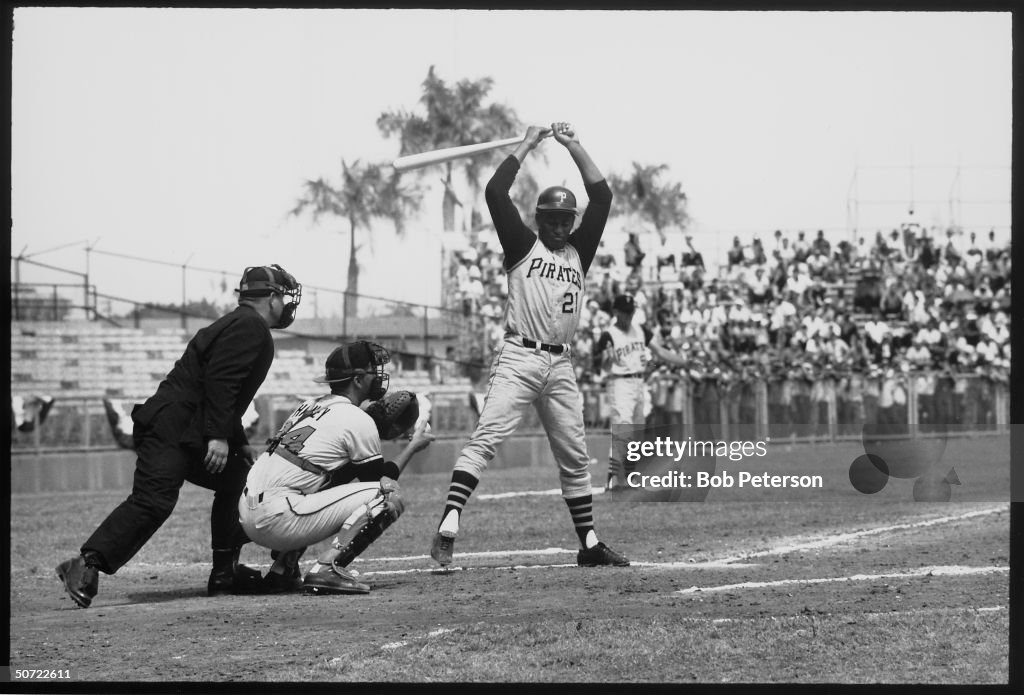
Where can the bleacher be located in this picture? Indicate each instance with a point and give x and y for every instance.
(89, 360)
(92, 361)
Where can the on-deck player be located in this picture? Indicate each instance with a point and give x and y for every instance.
(546, 272)
(622, 354)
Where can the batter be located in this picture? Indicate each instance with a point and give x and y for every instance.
(532, 366)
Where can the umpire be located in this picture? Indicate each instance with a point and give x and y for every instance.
(191, 429)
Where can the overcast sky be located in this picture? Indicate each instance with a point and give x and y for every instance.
(186, 134)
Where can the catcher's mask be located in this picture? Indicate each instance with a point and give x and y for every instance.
(260, 281)
(354, 359)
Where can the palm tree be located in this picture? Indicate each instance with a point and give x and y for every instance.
(366, 192)
(455, 115)
(642, 193)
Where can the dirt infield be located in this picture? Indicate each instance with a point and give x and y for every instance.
(834, 588)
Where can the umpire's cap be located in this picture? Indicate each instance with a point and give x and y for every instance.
(556, 199)
(352, 359)
(624, 303)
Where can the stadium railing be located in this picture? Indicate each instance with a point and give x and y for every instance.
(751, 410)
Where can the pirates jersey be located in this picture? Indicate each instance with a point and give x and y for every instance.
(545, 289)
(335, 438)
(628, 349)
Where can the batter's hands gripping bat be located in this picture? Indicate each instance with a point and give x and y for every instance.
(446, 154)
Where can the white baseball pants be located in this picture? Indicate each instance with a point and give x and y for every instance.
(520, 377)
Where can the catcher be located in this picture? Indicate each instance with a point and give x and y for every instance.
(323, 474)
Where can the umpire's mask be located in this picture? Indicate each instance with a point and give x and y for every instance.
(354, 359)
(257, 281)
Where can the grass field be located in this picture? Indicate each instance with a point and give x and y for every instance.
(781, 586)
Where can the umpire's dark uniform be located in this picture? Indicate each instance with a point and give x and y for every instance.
(202, 398)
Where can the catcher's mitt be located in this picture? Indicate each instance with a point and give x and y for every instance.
(395, 414)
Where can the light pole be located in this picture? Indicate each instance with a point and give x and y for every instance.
(88, 251)
(184, 301)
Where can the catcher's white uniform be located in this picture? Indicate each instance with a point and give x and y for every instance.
(303, 491)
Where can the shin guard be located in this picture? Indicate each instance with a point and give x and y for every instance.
(368, 523)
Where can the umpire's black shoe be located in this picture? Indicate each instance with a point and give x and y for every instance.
(600, 554)
(238, 580)
(80, 580)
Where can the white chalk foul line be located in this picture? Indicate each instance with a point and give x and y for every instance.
(732, 561)
(860, 616)
(935, 571)
(484, 553)
(531, 493)
(837, 538)
(460, 568)
(523, 493)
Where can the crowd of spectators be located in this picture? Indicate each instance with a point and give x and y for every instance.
(863, 325)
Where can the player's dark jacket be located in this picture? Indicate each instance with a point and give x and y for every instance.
(517, 239)
(211, 385)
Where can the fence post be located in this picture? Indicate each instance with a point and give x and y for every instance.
(761, 399)
(687, 401)
(87, 423)
(1002, 411)
(833, 413)
(426, 334)
(912, 412)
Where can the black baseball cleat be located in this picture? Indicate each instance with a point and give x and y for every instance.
(80, 581)
(600, 554)
(238, 580)
(289, 582)
(443, 547)
(331, 579)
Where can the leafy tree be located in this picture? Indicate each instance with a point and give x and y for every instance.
(455, 115)
(366, 191)
(644, 194)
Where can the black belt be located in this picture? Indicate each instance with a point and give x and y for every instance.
(634, 375)
(259, 497)
(553, 349)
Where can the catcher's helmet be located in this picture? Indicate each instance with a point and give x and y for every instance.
(261, 280)
(557, 198)
(354, 359)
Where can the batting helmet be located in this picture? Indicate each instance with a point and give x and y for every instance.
(624, 303)
(557, 198)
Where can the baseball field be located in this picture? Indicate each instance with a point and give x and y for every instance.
(785, 585)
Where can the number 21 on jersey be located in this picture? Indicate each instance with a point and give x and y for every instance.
(569, 302)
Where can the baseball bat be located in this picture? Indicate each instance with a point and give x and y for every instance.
(446, 154)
